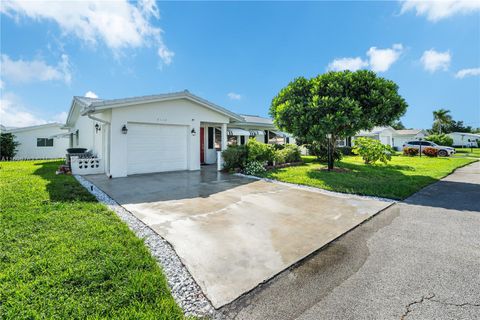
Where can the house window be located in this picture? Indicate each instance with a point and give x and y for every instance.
(232, 140)
(242, 140)
(287, 140)
(265, 137)
(210, 137)
(44, 142)
(218, 139)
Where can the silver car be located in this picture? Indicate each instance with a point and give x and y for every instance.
(443, 151)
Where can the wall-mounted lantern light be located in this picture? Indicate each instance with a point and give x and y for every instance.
(97, 128)
(193, 132)
(124, 129)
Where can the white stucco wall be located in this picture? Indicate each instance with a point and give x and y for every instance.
(175, 112)
(461, 139)
(28, 143)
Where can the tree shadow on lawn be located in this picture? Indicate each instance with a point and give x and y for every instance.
(61, 187)
(373, 180)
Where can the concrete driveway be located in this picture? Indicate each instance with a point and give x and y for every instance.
(231, 232)
(419, 259)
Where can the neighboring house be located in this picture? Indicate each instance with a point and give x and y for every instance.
(401, 137)
(157, 133)
(383, 134)
(390, 136)
(465, 139)
(45, 141)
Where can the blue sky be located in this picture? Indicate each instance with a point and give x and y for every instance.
(236, 54)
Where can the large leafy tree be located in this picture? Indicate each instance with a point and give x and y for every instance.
(8, 146)
(337, 104)
(441, 118)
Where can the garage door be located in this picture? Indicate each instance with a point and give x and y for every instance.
(156, 148)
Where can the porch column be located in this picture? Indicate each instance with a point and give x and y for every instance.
(224, 147)
(224, 136)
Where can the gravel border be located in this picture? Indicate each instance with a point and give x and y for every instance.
(314, 189)
(183, 287)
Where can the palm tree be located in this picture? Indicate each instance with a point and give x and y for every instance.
(441, 118)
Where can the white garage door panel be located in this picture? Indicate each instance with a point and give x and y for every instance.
(156, 148)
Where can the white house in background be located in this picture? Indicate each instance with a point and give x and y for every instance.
(384, 134)
(394, 138)
(465, 139)
(157, 133)
(45, 141)
(403, 136)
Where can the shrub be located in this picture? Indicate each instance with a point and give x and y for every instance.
(234, 157)
(279, 156)
(410, 152)
(372, 150)
(258, 151)
(321, 152)
(8, 146)
(430, 152)
(440, 139)
(292, 153)
(254, 168)
(346, 151)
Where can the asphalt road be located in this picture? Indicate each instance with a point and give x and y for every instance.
(419, 259)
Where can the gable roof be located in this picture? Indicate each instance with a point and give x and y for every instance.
(374, 131)
(466, 134)
(409, 132)
(40, 126)
(96, 105)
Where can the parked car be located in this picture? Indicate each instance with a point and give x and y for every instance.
(443, 151)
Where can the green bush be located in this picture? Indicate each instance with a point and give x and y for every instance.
(280, 156)
(346, 151)
(430, 152)
(254, 168)
(8, 146)
(321, 152)
(440, 139)
(410, 152)
(372, 150)
(235, 157)
(258, 151)
(292, 153)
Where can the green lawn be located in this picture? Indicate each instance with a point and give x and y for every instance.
(397, 180)
(467, 152)
(65, 256)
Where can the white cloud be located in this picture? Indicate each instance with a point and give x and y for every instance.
(437, 10)
(234, 96)
(91, 94)
(13, 114)
(382, 59)
(60, 117)
(467, 73)
(379, 60)
(433, 60)
(352, 64)
(23, 71)
(119, 24)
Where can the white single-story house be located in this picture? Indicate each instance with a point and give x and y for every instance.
(46, 141)
(394, 138)
(384, 134)
(157, 133)
(465, 139)
(401, 137)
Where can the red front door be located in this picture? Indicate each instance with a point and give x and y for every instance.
(202, 145)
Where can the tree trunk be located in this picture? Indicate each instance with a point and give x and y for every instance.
(330, 154)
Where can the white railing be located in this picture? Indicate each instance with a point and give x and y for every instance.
(82, 166)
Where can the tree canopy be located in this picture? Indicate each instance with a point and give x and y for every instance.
(441, 118)
(337, 103)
